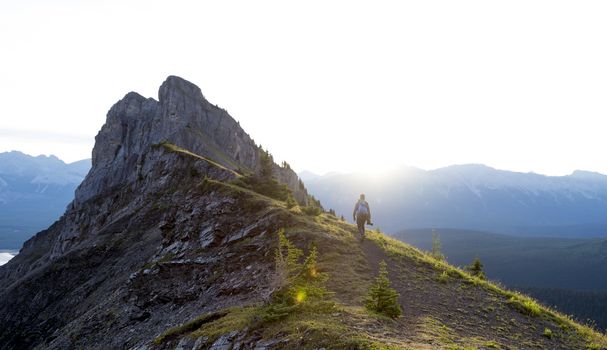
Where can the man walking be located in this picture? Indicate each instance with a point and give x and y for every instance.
(362, 215)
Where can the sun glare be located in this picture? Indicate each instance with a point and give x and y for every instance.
(300, 296)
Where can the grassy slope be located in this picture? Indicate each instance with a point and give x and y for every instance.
(572, 263)
(443, 306)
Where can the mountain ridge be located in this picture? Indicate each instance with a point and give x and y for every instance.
(34, 192)
(167, 245)
(475, 197)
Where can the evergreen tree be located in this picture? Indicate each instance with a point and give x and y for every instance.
(436, 246)
(309, 280)
(296, 286)
(476, 268)
(290, 202)
(286, 259)
(381, 297)
(266, 161)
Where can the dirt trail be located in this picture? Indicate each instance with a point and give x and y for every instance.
(461, 313)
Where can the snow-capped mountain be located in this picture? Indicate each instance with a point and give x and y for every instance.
(34, 192)
(474, 197)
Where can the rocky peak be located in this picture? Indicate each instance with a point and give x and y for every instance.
(181, 116)
(176, 91)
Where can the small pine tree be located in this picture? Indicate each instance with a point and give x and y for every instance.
(290, 202)
(381, 297)
(286, 260)
(331, 212)
(342, 218)
(476, 268)
(266, 162)
(296, 286)
(436, 246)
(309, 279)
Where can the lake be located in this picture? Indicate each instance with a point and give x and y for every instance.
(6, 255)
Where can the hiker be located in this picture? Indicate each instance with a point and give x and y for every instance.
(362, 215)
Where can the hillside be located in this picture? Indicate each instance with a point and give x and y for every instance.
(34, 192)
(566, 263)
(171, 243)
(473, 197)
(561, 272)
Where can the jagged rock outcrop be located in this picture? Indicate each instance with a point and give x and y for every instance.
(181, 116)
(147, 230)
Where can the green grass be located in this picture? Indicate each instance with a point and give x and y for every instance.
(234, 319)
(308, 329)
(210, 145)
(526, 305)
(188, 327)
(520, 302)
(176, 149)
(492, 345)
(267, 187)
(311, 211)
(340, 255)
(443, 277)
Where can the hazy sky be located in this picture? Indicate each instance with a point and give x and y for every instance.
(327, 85)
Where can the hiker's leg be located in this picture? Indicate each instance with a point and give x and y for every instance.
(361, 226)
(360, 222)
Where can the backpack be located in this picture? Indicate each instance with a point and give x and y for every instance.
(363, 208)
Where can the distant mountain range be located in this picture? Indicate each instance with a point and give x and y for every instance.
(34, 192)
(473, 197)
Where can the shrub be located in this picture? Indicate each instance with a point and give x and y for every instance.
(264, 182)
(266, 163)
(266, 186)
(436, 247)
(311, 210)
(290, 202)
(443, 277)
(476, 268)
(381, 297)
(525, 305)
(547, 333)
(296, 286)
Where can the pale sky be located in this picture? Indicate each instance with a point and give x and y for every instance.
(325, 85)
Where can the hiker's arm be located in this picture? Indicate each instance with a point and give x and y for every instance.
(369, 210)
(355, 209)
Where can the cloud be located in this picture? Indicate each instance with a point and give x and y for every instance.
(44, 135)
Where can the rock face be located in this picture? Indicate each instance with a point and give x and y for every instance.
(181, 116)
(153, 236)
